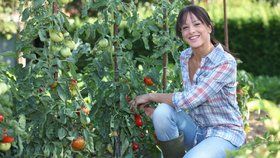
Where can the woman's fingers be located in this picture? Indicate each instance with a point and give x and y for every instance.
(149, 111)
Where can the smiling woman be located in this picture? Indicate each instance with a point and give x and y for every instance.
(212, 124)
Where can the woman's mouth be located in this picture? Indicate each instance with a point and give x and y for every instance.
(192, 38)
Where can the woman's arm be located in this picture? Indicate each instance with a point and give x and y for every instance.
(198, 94)
(153, 97)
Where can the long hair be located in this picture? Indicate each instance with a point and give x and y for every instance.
(202, 15)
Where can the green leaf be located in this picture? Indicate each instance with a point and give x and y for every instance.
(20, 147)
(86, 134)
(42, 35)
(25, 14)
(73, 70)
(125, 144)
(61, 133)
(46, 150)
(61, 93)
(22, 121)
(38, 3)
(98, 4)
(146, 42)
(84, 119)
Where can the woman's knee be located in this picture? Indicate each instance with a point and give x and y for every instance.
(212, 147)
(162, 112)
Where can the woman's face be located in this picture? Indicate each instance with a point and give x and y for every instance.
(194, 32)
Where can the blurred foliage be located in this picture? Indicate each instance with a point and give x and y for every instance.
(272, 2)
(267, 145)
(254, 31)
(256, 44)
(268, 87)
(240, 9)
(8, 26)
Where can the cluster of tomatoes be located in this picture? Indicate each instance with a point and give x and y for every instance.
(6, 141)
(137, 117)
(62, 43)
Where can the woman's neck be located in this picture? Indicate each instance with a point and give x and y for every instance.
(202, 51)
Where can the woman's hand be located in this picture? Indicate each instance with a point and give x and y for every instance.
(140, 100)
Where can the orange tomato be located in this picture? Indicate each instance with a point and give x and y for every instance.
(148, 81)
(78, 144)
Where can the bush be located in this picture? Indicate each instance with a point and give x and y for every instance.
(268, 87)
(256, 44)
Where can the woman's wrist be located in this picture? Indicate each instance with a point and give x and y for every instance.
(151, 97)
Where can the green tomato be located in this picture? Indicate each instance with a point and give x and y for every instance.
(66, 34)
(65, 52)
(103, 43)
(70, 44)
(55, 48)
(5, 146)
(3, 88)
(56, 36)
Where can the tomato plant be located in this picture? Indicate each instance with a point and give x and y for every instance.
(97, 62)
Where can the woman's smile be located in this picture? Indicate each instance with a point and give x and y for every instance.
(194, 38)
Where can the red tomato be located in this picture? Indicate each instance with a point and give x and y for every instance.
(78, 144)
(1, 118)
(148, 81)
(138, 120)
(7, 139)
(135, 146)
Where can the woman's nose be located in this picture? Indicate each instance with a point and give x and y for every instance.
(191, 29)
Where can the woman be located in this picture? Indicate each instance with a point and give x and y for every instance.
(204, 120)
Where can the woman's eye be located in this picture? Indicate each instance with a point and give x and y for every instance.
(196, 24)
(185, 27)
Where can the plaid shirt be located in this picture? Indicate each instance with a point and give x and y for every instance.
(211, 99)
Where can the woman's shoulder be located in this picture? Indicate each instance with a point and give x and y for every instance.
(186, 53)
(219, 55)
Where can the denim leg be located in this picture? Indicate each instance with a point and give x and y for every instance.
(168, 123)
(211, 147)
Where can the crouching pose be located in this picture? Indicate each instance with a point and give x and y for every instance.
(202, 121)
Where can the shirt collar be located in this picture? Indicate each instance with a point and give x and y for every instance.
(212, 55)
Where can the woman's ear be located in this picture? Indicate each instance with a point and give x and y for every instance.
(209, 29)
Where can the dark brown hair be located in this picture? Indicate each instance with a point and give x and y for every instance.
(202, 15)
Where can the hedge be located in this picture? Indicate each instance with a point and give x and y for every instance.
(257, 44)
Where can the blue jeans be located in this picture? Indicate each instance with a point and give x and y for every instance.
(168, 123)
